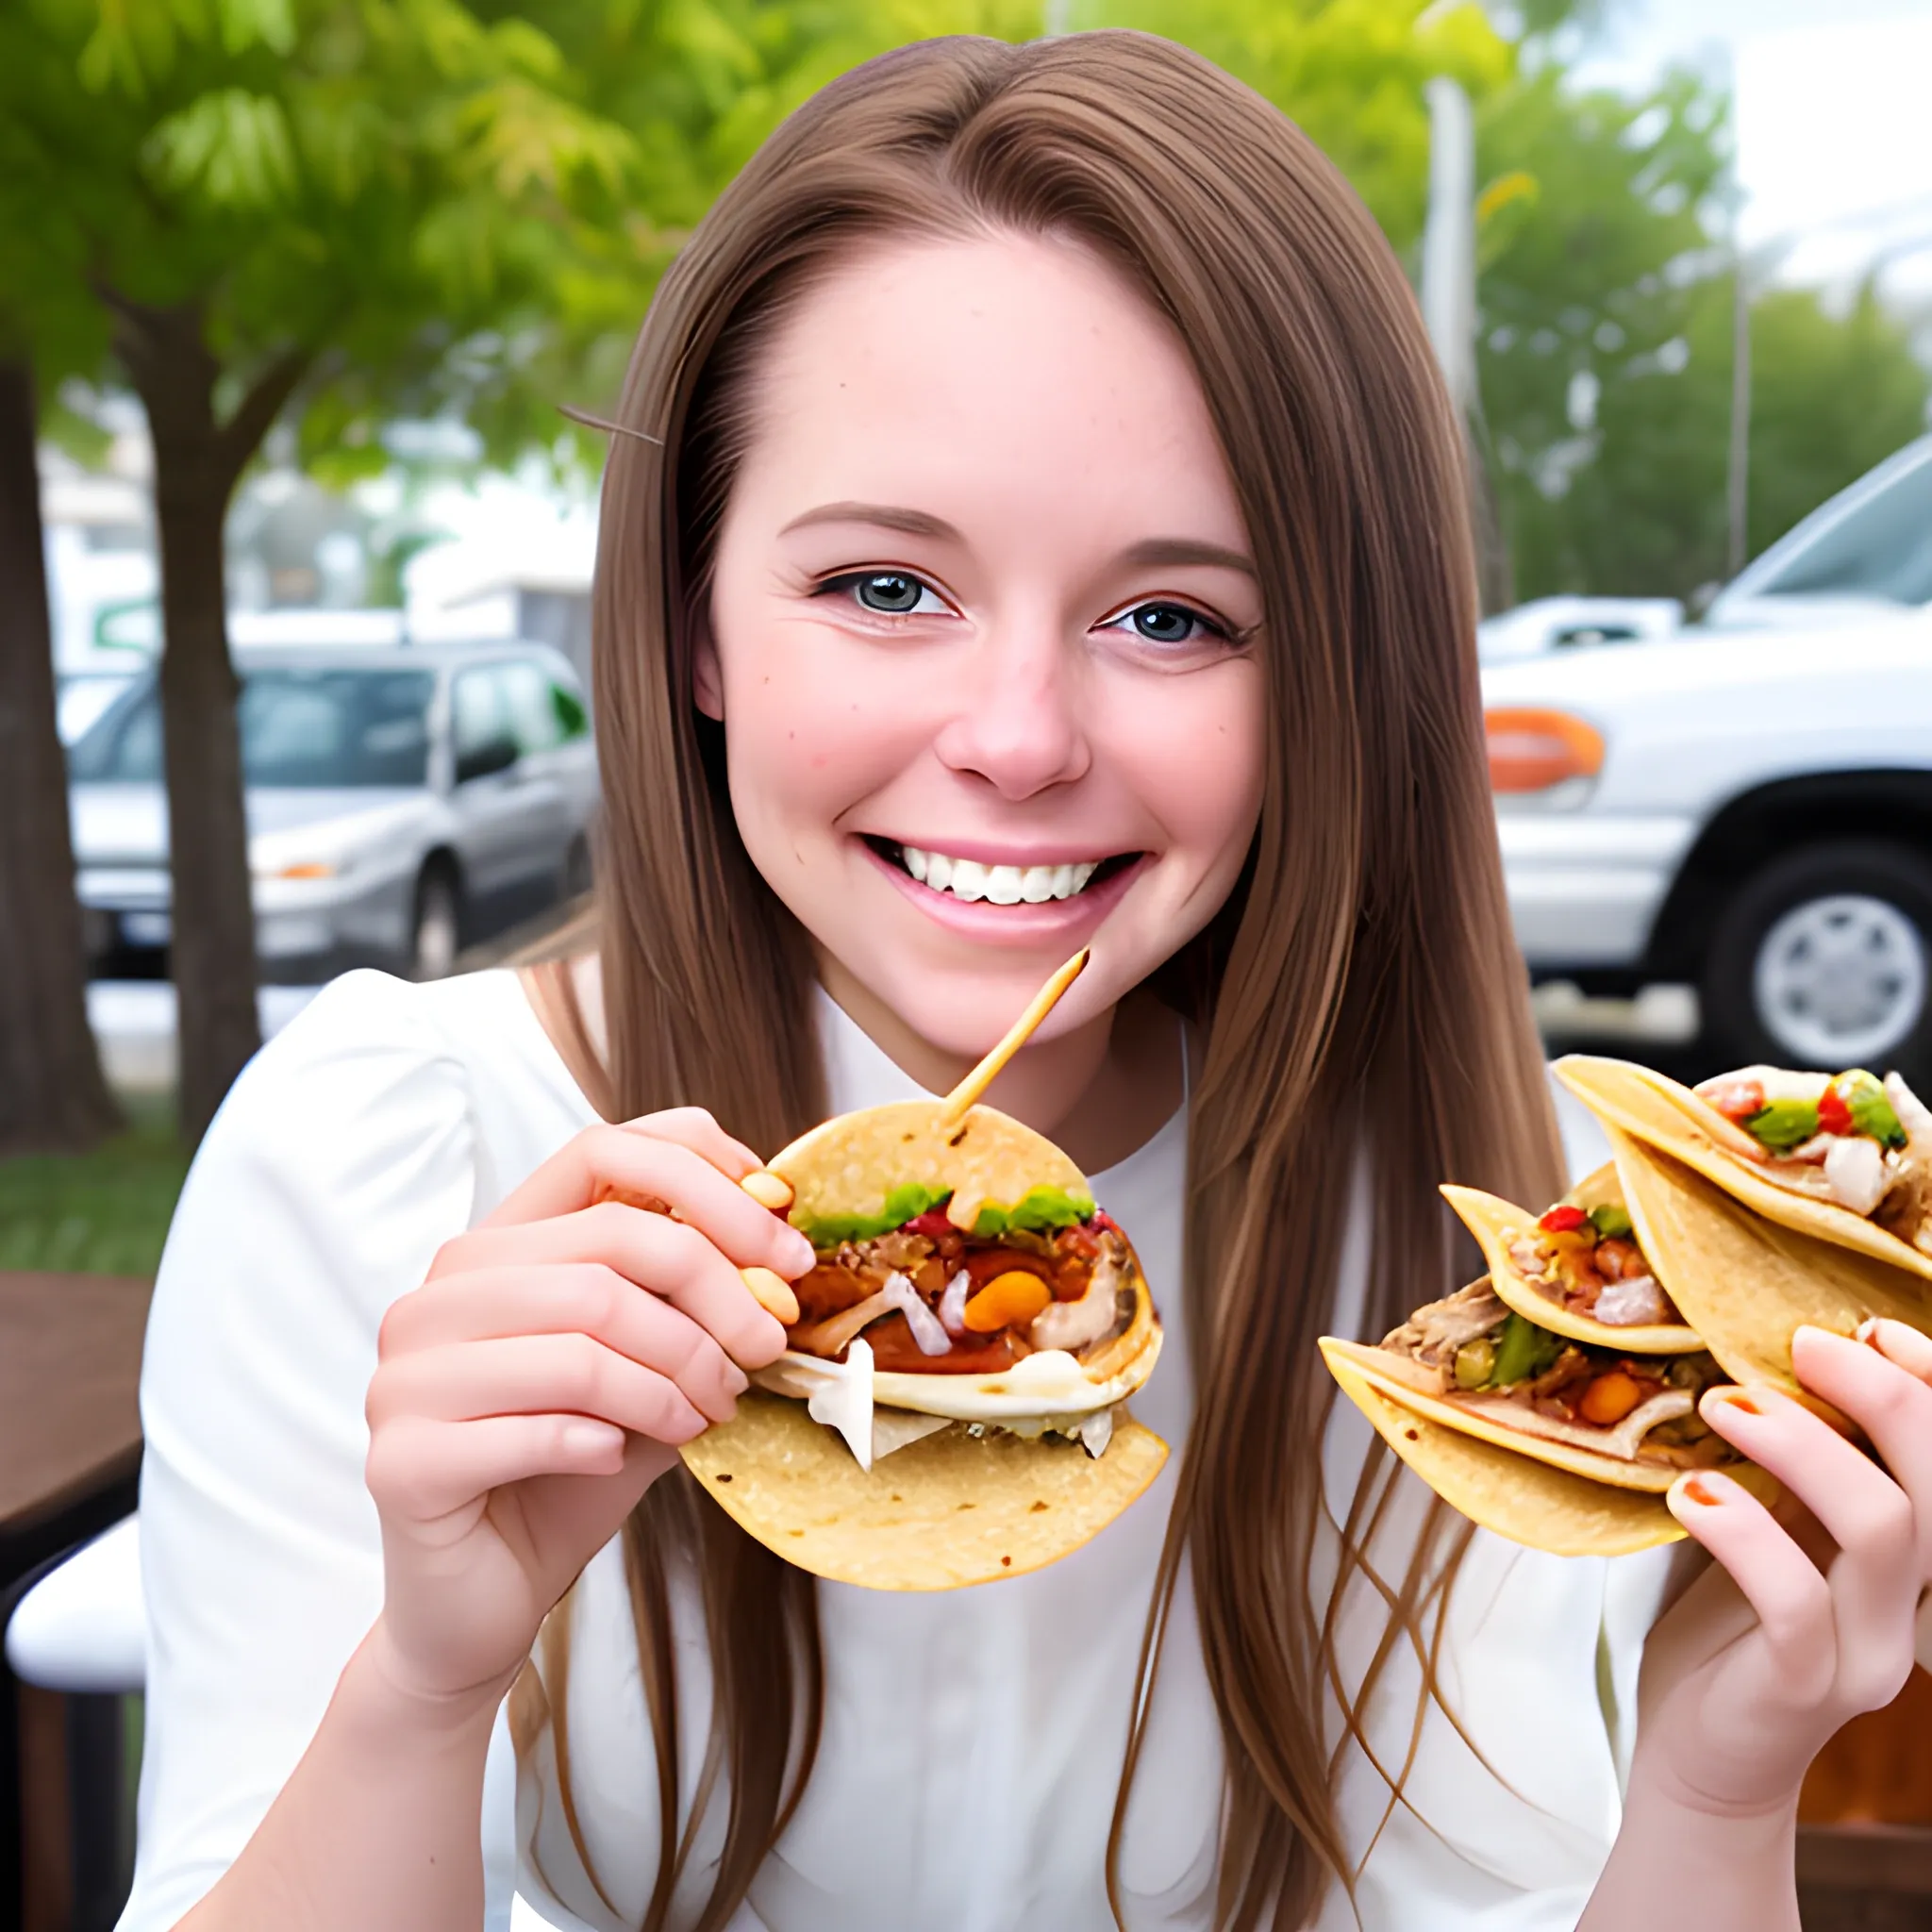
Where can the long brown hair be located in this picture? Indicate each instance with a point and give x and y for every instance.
(1359, 991)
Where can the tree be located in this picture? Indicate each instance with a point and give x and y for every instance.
(52, 1096)
(267, 200)
(1606, 352)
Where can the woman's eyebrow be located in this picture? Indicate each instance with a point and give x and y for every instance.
(884, 516)
(1150, 553)
(1153, 553)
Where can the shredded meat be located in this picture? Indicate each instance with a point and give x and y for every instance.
(1433, 1333)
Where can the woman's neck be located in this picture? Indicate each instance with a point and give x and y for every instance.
(1100, 1091)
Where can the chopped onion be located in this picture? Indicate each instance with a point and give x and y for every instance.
(1632, 1302)
(926, 1329)
(1855, 1168)
(953, 1305)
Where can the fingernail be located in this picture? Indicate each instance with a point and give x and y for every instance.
(736, 1380)
(1866, 1330)
(1735, 1398)
(802, 1253)
(1699, 1492)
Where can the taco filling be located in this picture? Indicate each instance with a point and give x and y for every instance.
(932, 1296)
(1484, 1359)
(1849, 1139)
(1587, 1262)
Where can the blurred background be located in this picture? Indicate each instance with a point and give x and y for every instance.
(295, 548)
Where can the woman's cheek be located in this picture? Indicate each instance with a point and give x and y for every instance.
(1192, 749)
(808, 735)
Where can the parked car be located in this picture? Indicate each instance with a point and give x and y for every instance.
(1558, 624)
(403, 801)
(81, 696)
(1750, 812)
(1864, 556)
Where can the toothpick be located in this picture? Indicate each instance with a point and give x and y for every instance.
(982, 1076)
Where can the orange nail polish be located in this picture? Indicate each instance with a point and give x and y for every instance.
(1737, 1399)
(1697, 1492)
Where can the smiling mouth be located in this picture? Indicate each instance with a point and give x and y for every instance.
(998, 885)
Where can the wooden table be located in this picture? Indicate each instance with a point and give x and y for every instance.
(70, 1455)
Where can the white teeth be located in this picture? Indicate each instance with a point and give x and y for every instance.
(1001, 885)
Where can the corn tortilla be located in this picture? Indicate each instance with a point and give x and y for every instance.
(1530, 1502)
(1497, 1226)
(1658, 1111)
(943, 1512)
(850, 1164)
(1743, 1282)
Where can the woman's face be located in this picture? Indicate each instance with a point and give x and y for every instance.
(981, 635)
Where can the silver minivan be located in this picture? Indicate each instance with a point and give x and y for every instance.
(403, 801)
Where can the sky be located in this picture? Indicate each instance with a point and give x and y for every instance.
(1834, 105)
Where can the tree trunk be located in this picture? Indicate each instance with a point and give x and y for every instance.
(212, 944)
(52, 1096)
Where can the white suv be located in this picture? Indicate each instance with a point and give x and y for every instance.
(1746, 809)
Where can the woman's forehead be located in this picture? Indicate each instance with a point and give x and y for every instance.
(995, 378)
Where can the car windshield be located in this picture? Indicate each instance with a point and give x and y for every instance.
(1881, 548)
(315, 728)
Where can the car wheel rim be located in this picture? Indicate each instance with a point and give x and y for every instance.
(436, 937)
(1840, 979)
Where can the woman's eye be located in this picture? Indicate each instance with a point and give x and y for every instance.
(1167, 624)
(890, 592)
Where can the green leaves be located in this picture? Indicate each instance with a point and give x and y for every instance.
(233, 146)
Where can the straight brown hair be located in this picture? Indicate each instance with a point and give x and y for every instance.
(1359, 994)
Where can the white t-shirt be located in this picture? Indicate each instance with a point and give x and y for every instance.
(972, 1740)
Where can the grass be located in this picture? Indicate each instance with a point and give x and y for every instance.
(100, 1213)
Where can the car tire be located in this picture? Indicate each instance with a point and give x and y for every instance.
(436, 931)
(1823, 958)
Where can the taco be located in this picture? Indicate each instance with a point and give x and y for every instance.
(1579, 1268)
(965, 1287)
(1529, 1502)
(1746, 1282)
(1845, 1157)
(1474, 1364)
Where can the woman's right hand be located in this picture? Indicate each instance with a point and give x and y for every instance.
(542, 1376)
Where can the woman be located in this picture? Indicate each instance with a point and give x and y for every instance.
(1034, 461)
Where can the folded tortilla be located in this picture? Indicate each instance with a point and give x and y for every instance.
(1744, 1281)
(1534, 1503)
(1651, 1109)
(1499, 1227)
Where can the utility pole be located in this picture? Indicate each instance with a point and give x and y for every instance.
(1448, 299)
(1448, 291)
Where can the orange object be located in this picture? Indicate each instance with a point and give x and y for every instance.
(1008, 1300)
(1611, 1398)
(1530, 749)
(772, 1293)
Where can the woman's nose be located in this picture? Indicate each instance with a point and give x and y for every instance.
(1016, 722)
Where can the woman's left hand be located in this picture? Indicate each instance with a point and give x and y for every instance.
(1792, 1633)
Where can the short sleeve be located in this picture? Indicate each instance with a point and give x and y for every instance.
(344, 1157)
